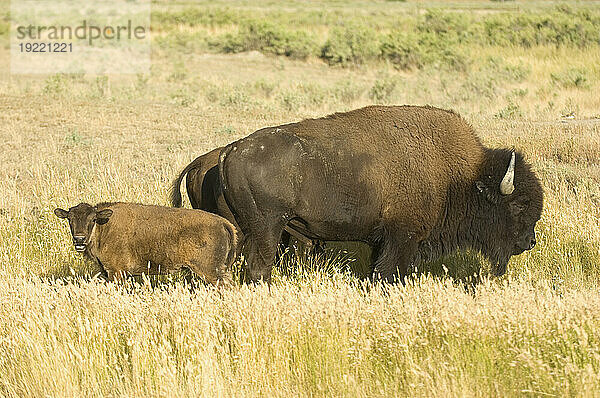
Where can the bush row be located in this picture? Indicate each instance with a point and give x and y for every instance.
(349, 44)
(438, 38)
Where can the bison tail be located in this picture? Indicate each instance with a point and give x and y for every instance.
(176, 200)
(222, 178)
(175, 192)
(222, 158)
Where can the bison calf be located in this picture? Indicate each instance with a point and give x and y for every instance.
(126, 238)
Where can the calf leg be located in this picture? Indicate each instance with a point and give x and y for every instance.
(212, 270)
(117, 276)
(212, 259)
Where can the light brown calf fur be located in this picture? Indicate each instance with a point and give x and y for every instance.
(134, 239)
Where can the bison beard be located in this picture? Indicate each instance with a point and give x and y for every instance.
(415, 183)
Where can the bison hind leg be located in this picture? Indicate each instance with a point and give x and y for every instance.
(261, 247)
(284, 245)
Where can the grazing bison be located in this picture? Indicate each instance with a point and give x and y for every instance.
(126, 238)
(415, 183)
(204, 192)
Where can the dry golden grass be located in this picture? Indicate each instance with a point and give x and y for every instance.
(321, 336)
(66, 139)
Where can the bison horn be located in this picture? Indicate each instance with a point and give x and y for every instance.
(507, 185)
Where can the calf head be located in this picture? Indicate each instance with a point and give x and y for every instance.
(82, 219)
(514, 201)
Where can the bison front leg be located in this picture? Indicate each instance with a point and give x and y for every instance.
(392, 256)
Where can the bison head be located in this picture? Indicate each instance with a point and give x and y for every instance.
(82, 219)
(511, 198)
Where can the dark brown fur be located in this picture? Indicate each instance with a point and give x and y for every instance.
(201, 192)
(413, 182)
(203, 189)
(127, 238)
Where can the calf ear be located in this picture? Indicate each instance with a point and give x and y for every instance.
(60, 213)
(103, 215)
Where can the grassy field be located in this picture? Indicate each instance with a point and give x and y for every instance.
(525, 74)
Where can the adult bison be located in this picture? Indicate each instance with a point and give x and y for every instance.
(415, 183)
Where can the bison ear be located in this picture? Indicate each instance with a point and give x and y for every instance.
(60, 213)
(103, 215)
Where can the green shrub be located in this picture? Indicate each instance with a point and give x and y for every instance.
(402, 49)
(450, 26)
(74, 137)
(290, 100)
(54, 84)
(511, 111)
(228, 43)
(313, 94)
(484, 81)
(225, 130)
(478, 84)
(347, 92)
(265, 88)
(141, 82)
(444, 52)
(571, 78)
(382, 89)
(350, 44)
(502, 71)
(570, 108)
(179, 72)
(439, 40)
(235, 98)
(561, 27)
(182, 97)
(517, 93)
(269, 38)
(302, 95)
(102, 88)
(408, 51)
